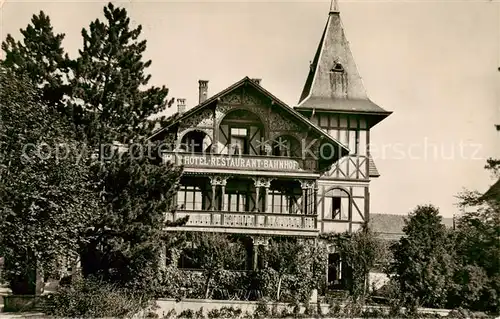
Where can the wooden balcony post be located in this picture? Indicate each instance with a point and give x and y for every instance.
(223, 181)
(266, 184)
(257, 198)
(213, 182)
(257, 184)
(307, 187)
(214, 190)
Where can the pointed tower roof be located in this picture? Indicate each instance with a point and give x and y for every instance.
(334, 83)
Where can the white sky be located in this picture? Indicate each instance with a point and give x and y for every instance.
(433, 63)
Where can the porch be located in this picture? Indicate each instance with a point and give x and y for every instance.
(239, 204)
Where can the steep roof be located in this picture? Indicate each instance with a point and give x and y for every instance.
(391, 226)
(334, 83)
(493, 192)
(373, 171)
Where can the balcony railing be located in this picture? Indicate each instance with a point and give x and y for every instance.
(246, 220)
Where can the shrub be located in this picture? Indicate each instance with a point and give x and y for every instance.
(172, 314)
(186, 314)
(334, 308)
(262, 310)
(90, 298)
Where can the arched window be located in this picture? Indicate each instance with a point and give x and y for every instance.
(336, 205)
(196, 142)
(286, 146)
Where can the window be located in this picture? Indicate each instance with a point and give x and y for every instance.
(278, 203)
(239, 140)
(235, 202)
(190, 198)
(336, 205)
(362, 143)
(283, 204)
(196, 142)
(354, 142)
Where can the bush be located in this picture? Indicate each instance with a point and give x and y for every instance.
(90, 298)
(225, 312)
(172, 314)
(262, 310)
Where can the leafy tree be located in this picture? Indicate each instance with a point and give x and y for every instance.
(477, 280)
(215, 252)
(41, 58)
(282, 256)
(361, 252)
(109, 81)
(423, 260)
(109, 100)
(294, 266)
(45, 202)
(493, 166)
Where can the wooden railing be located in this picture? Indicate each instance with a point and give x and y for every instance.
(246, 220)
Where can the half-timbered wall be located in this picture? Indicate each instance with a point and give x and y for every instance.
(341, 207)
(343, 194)
(352, 131)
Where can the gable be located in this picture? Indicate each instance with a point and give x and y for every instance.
(277, 117)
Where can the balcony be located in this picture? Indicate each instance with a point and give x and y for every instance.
(247, 223)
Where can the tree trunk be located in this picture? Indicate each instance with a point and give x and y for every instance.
(279, 289)
(365, 284)
(207, 284)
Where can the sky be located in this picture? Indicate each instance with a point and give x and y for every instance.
(433, 63)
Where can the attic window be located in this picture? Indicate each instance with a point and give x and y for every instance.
(337, 68)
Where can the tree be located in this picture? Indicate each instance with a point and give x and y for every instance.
(109, 77)
(282, 256)
(361, 252)
(423, 260)
(109, 89)
(41, 58)
(125, 241)
(109, 100)
(477, 238)
(45, 202)
(215, 252)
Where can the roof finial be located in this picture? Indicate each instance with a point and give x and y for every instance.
(334, 6)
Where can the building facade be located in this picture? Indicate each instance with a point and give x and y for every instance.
(258, 167)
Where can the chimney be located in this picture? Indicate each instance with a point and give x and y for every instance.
(256, 81)
(181, 106)
(202, 90)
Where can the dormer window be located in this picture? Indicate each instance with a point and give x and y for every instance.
(337, 68)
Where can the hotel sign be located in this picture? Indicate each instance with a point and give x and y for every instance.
(233, 162)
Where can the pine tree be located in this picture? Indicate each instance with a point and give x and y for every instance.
(41, 57)
(124, 244)
(109, 77)
(136, 191)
